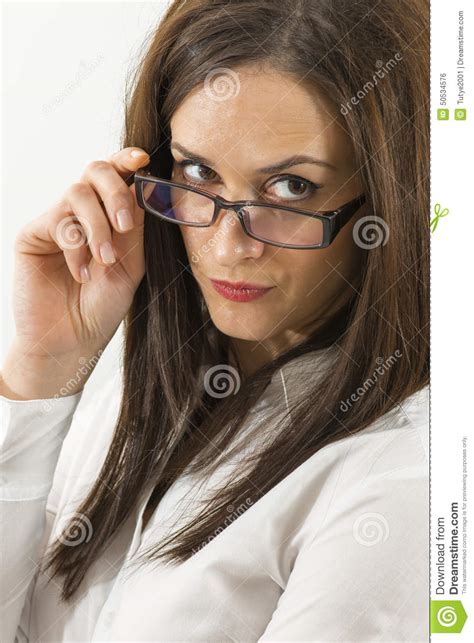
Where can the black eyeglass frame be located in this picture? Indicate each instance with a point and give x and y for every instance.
(333, 221)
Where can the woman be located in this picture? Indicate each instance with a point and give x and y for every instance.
(261, 472)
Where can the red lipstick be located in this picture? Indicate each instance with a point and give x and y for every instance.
(239, 290)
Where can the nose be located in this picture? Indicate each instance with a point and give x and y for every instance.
(231, 243)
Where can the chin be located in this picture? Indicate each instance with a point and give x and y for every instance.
(229, 323)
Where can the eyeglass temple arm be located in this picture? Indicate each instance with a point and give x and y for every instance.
(345, 213)
(130, 179)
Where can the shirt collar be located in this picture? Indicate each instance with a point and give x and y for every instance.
(288, 381)
(293, 378)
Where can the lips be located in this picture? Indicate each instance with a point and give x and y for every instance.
(237, 285)
(240, 290)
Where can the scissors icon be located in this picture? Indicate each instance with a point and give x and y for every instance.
(439, 213)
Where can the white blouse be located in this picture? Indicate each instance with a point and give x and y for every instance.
(337, 551)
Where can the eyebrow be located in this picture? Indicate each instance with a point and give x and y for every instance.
(296, 159)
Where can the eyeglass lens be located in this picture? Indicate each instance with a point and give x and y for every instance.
(268, 223)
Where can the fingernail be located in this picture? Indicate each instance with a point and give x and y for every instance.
(136, 153)
(85, 273)
(107, 252)
(124, 220)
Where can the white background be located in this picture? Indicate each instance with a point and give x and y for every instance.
(64, 68)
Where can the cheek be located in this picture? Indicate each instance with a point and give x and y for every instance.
(195, 242)
(319, 273)
(304, 271)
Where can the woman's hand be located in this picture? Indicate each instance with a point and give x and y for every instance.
(77, 267)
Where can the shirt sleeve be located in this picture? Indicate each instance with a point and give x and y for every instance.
(364, 576)
(31, 437)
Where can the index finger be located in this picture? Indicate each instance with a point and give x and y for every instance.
(127, 161)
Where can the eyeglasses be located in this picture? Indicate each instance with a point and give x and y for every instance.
(281, 226)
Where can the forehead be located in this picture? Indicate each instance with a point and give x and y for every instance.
(267, 112)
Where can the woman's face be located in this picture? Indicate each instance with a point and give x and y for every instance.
(266, 119)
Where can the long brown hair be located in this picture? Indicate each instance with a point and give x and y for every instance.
(167, 421)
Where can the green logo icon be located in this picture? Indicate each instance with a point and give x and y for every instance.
(447, 617)
(438, 215)
(460, 114)
(443, 114)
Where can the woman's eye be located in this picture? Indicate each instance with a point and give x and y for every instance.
(292, 188)
(288, 188)
(196, 172)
